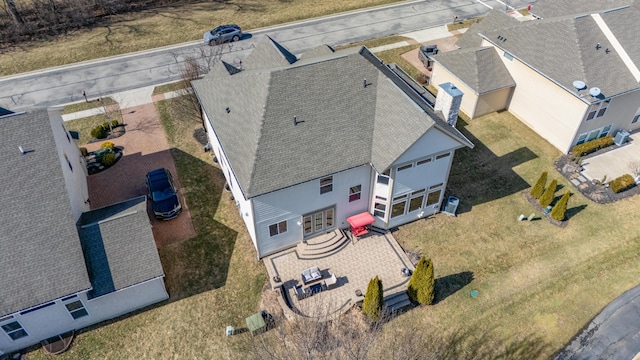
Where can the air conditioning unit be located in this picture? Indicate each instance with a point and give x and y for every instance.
(621, 137)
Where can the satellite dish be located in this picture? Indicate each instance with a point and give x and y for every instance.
(579, 85)
(594, 91)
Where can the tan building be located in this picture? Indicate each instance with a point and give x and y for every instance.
(571, 78)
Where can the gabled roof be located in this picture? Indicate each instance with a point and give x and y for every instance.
(268, 54)
(287, 125)
(494, 19)
(40, 254)
(555, 8)
(119, 247)
(576, 48)
(479, 68)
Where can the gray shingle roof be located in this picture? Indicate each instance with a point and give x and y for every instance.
(40, 257)
(268, 54)
(119, 247)
(564, 50)
(493, 20)
(479, 68)
(556, 8)
(341, 122)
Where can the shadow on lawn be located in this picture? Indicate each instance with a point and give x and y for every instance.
(478, 175)
(201, 263)
(450, 284)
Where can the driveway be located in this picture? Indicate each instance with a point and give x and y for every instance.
(145, 147)
(613, 334)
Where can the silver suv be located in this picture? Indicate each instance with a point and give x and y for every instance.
(223, 33)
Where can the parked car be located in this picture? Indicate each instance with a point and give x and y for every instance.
(163, 194)
(223, 33)
(425, 52)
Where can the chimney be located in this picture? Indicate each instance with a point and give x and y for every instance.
(448, 101)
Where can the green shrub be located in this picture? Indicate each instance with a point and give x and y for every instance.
(421, 287)
(99, 133)
(560, 208)
(108, 159)
(591, 146)
(105, 125)
(622, 183)
(83, 151)
(547, 197)
(114, 123)
(538, 188)
(107, 144)
(373, 300)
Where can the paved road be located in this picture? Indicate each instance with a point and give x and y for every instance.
(613, 334)
(105, 76)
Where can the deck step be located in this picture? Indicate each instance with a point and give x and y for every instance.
(327, 246)
(397, 301)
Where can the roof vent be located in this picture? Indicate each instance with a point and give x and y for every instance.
(607, 50)
(594, 91)
(598, 46)
(228, 110)
(295, 121)
(22, 152)
(579, 85)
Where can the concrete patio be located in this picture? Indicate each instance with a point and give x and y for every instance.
(613, 163)
(353, 262)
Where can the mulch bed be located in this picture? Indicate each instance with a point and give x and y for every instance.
(536, 205)
(595, 192)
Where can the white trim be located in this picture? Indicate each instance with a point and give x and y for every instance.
(626, 59)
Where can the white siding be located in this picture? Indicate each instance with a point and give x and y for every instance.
(432, 142)
(56, 319)
(290, 204)
(244, 205)
(75, 180)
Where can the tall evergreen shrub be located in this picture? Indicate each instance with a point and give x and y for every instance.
(559, 210)
(373, 300)
(421, 286)
(547, 197)
(538, 188)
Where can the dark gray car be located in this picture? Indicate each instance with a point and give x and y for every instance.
(223, 33)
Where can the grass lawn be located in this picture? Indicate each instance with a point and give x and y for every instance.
(461, 24)
(84, 125)
(376, 42)
(166, 26)
(538, 284)
(86, 105)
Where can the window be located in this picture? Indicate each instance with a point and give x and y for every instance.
(76, 309)
(593, 109)
(400, 197)
(382, 179)
(68, 162)
(605, 131)
(582, 138)
(635, 119)
(378, 197)
(379, 209)
(354, 193)
(397, 209)
(423, 161)
(508, 56)
(326, 184)
(433, 198)
(442, 156)
(416, 203)
(405, 167)
(278, 228)
(66, 133)
(14, 330)
(603, 107)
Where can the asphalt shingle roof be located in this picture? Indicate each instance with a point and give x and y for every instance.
(291, 124)
(119, 247)
(493, 20)
(555, 8)
(564, 49)
(479, 68)
(40, 257)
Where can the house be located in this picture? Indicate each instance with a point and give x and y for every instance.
(306, 142)
(64, 267)
(574, 78)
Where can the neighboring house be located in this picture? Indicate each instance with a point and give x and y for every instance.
(576, 77)
(306, 142)
(64, 267)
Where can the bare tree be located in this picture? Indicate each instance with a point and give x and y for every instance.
(634, 166)
(13, 10)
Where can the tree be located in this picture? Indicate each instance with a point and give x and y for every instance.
(560, 208)
(538, 188)
(547, 197)
(13, 10)
(421, 286)
(373, 300)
